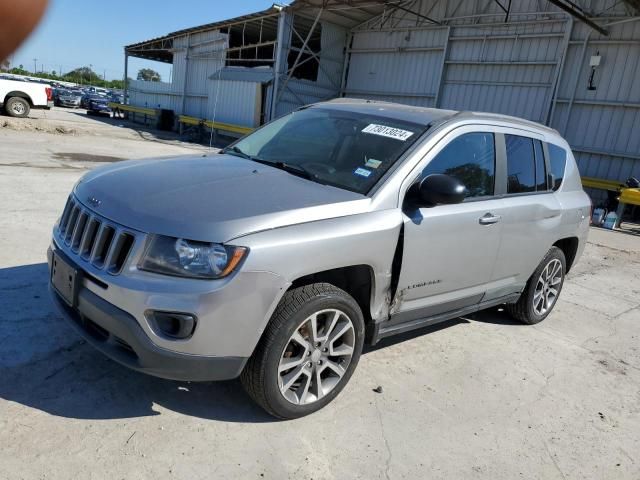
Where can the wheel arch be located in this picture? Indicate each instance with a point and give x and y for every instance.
(17, 93)
(357, 280)
(569, 247)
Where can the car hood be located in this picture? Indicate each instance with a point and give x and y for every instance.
(209, 198)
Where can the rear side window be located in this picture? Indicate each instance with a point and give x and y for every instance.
(469, 158)
(521, 164)
(557, 162)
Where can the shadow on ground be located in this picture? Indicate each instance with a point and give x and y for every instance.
(193, 134)
(44, 364)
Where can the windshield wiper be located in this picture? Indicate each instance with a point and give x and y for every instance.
(287, 167)
(238, 152)
(294, 169)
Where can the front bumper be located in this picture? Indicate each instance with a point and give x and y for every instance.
(119, 336)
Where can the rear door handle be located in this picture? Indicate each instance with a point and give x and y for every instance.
(489, 218)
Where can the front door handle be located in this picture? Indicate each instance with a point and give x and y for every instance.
(489, 218)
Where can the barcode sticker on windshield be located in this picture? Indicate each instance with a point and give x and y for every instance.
(389, 132)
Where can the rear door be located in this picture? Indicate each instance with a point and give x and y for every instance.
(531, 213)
(449, 250)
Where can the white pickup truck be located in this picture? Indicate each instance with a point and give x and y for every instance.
(18, 97)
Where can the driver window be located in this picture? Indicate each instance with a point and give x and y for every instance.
(469, 158)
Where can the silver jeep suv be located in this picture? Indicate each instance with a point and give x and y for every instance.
(341, 223)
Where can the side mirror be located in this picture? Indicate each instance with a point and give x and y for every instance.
(438, 189)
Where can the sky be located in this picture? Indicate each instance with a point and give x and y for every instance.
(77, 33)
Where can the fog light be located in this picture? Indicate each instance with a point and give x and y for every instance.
(172, 325)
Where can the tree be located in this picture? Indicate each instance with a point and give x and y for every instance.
(83, 75)
(19, 71)
(148, 75)
(117, 84)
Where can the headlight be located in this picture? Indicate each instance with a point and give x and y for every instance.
(188, 258)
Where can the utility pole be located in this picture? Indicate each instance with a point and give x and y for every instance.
(35, 65)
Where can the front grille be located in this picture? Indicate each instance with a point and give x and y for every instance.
(97, 241)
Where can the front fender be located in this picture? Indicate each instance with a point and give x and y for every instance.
(299, 250)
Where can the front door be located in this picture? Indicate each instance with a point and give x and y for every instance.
(449, 251)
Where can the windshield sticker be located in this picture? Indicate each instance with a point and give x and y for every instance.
(389, 132)
(372, 163)
(363, 172)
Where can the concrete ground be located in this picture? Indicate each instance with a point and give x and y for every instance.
(480, 397)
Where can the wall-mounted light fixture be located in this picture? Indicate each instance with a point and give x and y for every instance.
(594, 63)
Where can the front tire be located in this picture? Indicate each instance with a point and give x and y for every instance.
(17, 107)
(542, 290)
(307, 353)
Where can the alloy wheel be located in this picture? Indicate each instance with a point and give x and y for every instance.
(547, 286)
(316, 357)
(18, 108)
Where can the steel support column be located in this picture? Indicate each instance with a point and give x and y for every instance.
(278, 65)
(445, 50)
(126, 75)
(559, 71)
(185, 76)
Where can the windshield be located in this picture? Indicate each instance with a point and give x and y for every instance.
(344, 149)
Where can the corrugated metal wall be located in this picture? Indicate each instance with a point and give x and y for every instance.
(489, 66)
(503, 68)
(474, 62)
(602, 125)
(153, 94)
(235, 102)
(397, 66)
(205, 57)
(477, 62)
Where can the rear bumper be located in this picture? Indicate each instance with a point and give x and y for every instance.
(118, 335)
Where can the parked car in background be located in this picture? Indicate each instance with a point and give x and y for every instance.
(341, 223)
(98, 106)
(87, 97)
(116, 97)
(67, 98)
(18, 97)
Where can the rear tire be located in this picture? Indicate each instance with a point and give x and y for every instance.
(17, 107)
(307, 353)
(542, 290)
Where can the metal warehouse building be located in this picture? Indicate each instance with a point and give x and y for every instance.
(573, 65)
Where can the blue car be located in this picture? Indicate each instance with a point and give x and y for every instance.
(98, 106)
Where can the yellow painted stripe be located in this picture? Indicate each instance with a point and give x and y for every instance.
(228, 127)
(612, 185)
(133, 108)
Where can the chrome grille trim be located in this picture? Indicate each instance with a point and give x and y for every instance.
(94, 239)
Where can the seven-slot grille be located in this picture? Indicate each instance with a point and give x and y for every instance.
(97, 241)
